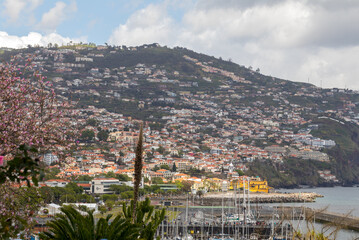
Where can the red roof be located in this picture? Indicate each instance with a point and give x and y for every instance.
(84, 184)
(105, 179)
(56, 180)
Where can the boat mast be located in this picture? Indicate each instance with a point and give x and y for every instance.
(248, 204)
(239, 210)
(212, 223)
(187, 218)
(244, 207)
(235, 210)
(222, 217)
(248, 199)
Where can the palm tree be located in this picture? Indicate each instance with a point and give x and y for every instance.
(147, 218)
(72, 225)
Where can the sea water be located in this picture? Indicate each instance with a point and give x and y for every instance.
(343, 200)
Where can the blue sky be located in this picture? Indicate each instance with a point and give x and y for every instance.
(291, 39)
(92, 21)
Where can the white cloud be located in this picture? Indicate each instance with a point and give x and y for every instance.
(55, 16)
(14, 9)
(331, 67)
(145, 26)
(289, 39)
(34, 38)
(33, 4)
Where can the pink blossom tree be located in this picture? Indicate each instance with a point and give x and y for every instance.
(18, 207)
(31, 121)
(29, 110)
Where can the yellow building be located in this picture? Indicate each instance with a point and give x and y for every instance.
(208, 185)
(255, 184)
(213, 184)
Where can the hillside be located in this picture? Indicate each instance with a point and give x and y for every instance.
(346, 152)
(278, 129)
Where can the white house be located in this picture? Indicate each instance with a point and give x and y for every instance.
(56, 183)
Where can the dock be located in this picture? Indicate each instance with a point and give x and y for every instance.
(342, 221)
(338, 220)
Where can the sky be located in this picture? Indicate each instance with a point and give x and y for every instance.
(299, 40)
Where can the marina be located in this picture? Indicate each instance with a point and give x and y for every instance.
(239, 215)
(235, 219)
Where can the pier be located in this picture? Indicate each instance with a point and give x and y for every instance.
(342, 221)
(215, 199)
(345, 221)
(338, 220)
(265, 197)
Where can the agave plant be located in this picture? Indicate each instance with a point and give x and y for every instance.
(74, 225)
(138, 172)
(142, 214)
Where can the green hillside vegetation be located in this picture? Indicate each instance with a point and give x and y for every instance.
(345, 156)
(297, 172)
(345, 135)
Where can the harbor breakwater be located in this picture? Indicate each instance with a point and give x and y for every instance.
(215, 199)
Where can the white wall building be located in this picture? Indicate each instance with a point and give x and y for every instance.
(50, 158)
(56, 183)
(102, 185)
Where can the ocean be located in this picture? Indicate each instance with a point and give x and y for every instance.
(344, 200)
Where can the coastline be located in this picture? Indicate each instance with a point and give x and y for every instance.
(322, 185)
